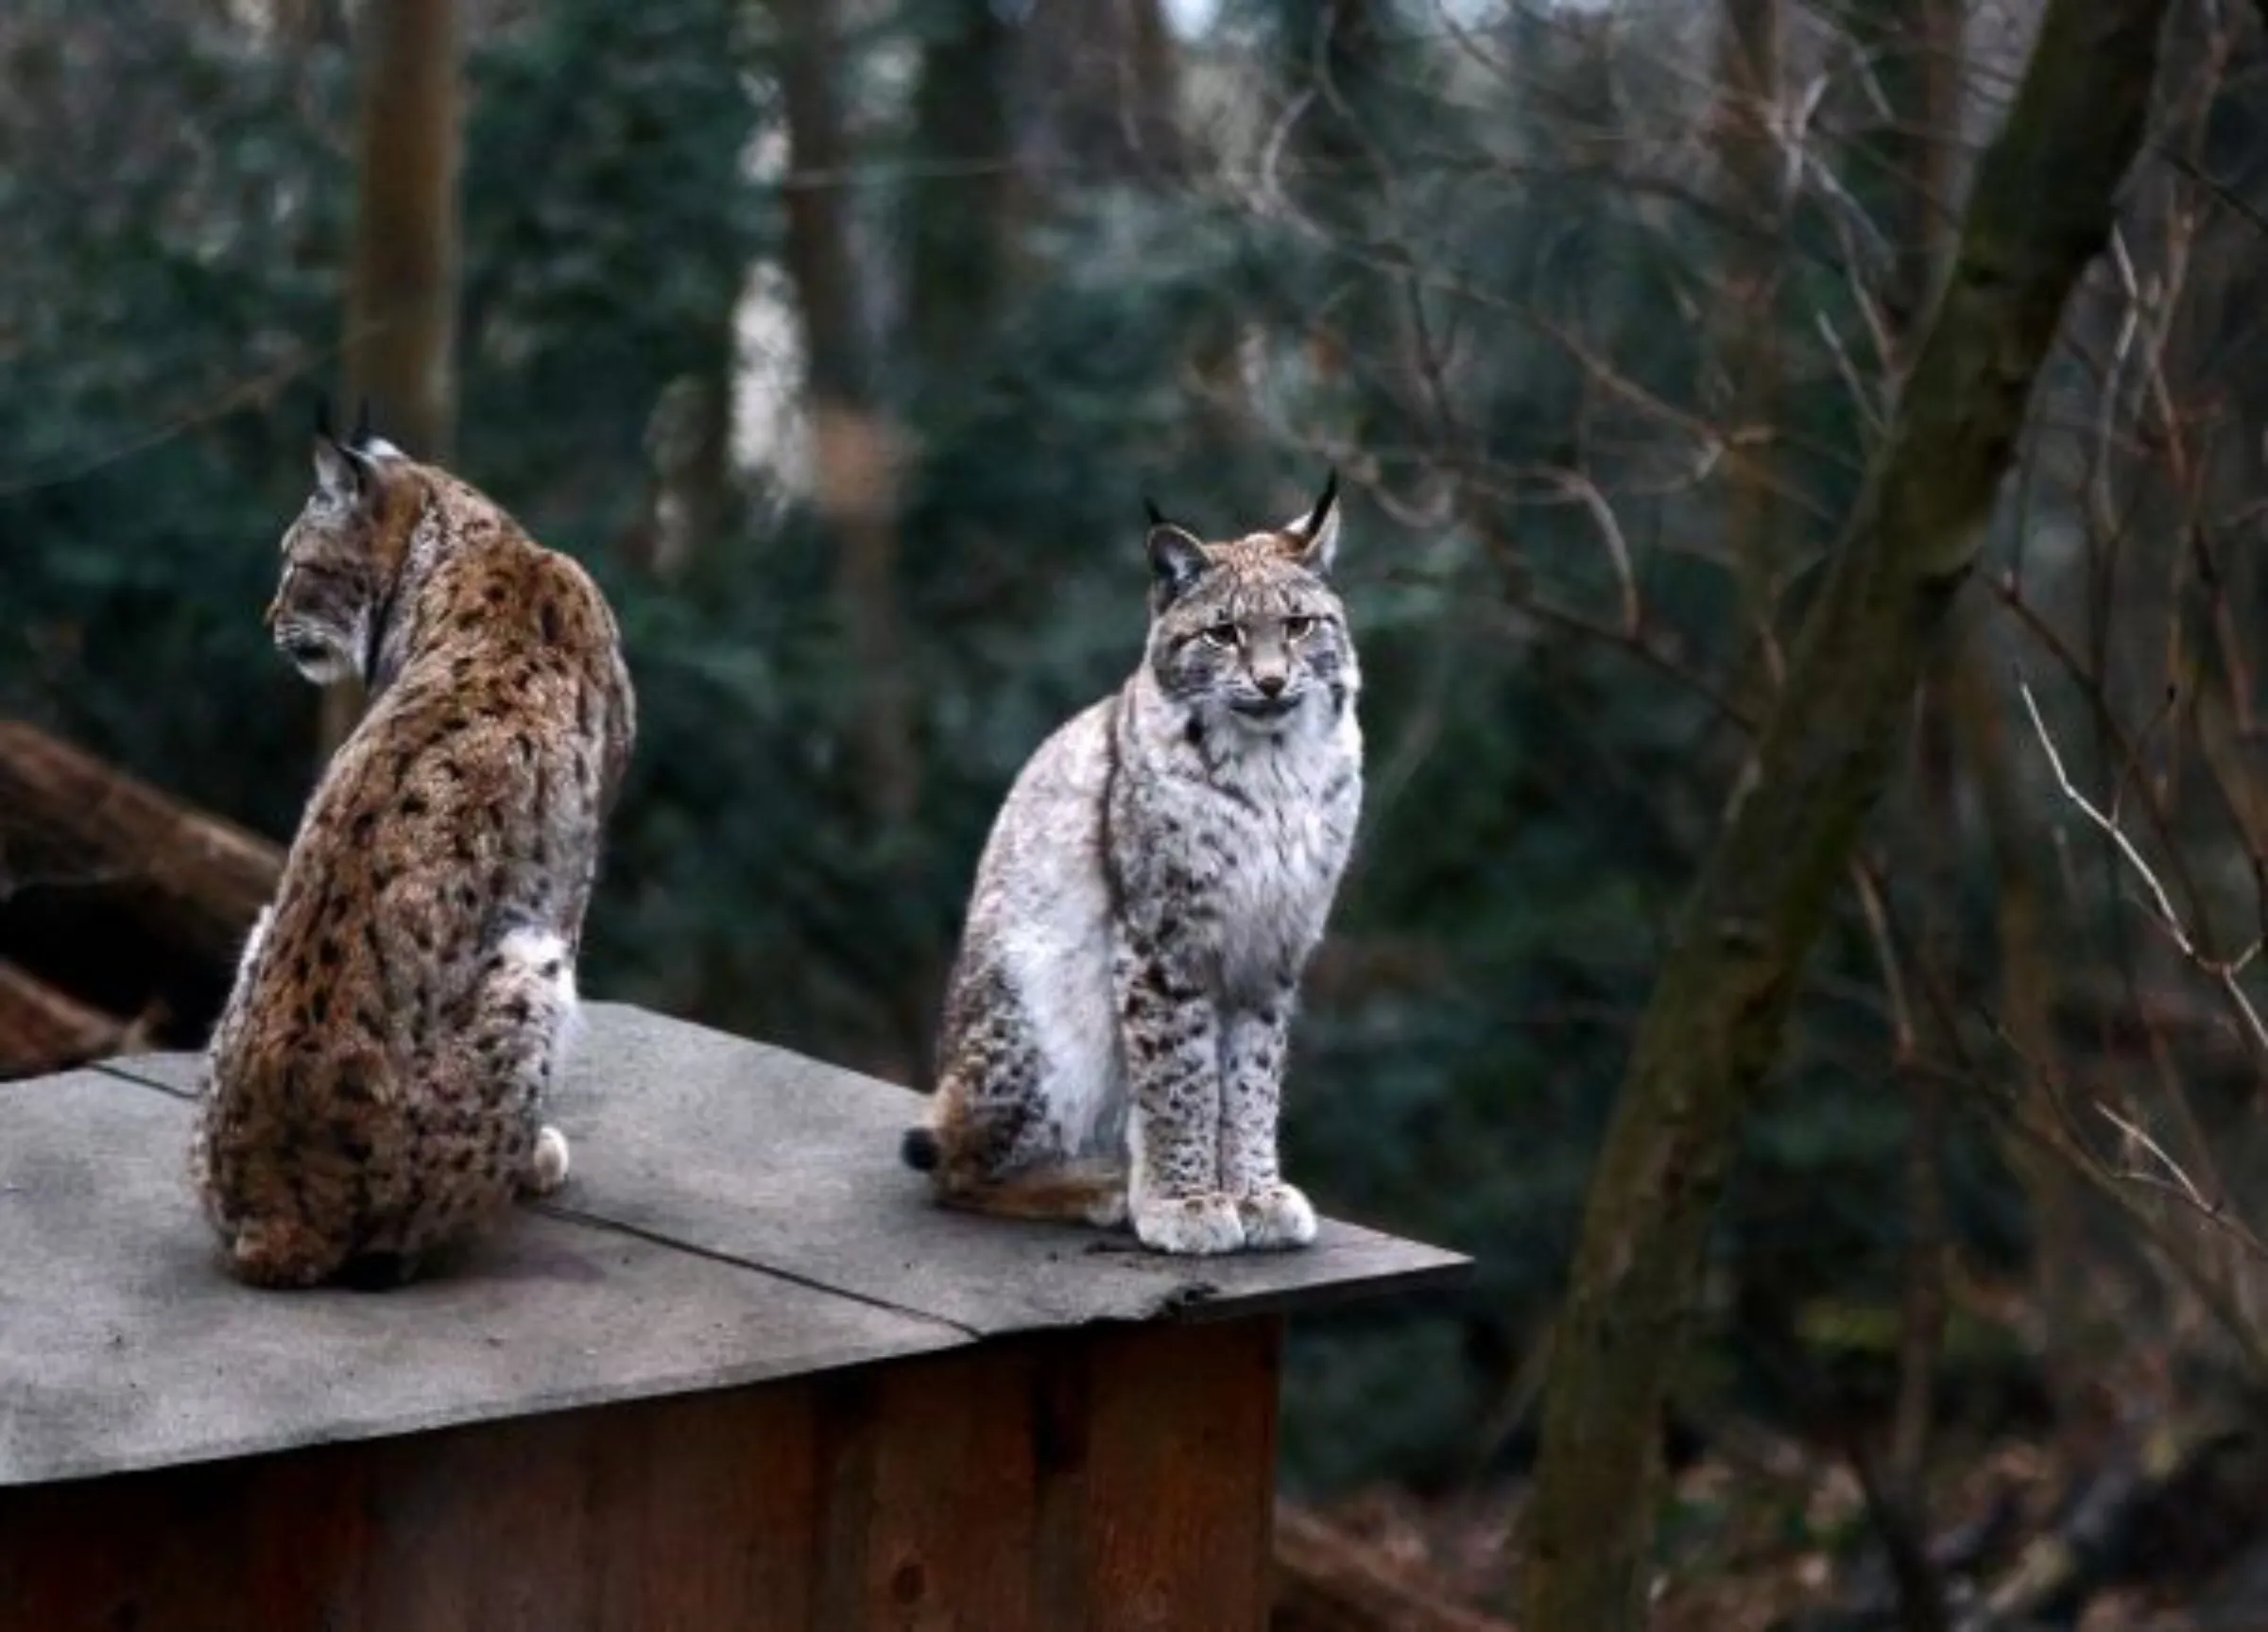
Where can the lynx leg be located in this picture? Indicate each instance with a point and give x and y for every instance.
(1173, 1122)
(1275, 1214)
(527, 1013)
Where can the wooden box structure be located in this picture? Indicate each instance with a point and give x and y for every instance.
(739, 1374)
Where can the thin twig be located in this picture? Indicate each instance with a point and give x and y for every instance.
(2224, 970)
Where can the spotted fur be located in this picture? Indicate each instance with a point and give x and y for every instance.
(376, 1082)
(1114, 1033)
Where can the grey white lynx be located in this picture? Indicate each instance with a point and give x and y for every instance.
(378, 1073)
(1114, 1033)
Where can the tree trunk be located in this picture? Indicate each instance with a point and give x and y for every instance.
(2042, 208)
(689, 452)
(963, 222)
(853, 447)
(1100, 87)
(1904, 162)
(1917, 47)
(402, 306)
(1923, 1299)
(856, 455)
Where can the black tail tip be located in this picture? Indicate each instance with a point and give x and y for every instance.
(920, 1149)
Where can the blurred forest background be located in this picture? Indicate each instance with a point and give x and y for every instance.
(842, 341)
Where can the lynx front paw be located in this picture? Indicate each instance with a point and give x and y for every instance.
(1191, 1226)
(547, 1164)
(1276, 1218)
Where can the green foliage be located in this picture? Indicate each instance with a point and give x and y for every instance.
(155, 297)
(609, 220)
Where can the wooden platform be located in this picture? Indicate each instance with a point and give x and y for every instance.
(738, 1374)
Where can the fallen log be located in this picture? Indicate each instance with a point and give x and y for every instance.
(43, 1029)
(1328, 1581)
(67, 819)
(120, 896)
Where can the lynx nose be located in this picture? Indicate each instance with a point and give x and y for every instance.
(1270, 684)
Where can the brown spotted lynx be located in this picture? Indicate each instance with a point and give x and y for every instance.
(1115, 1024)
(376, 1079)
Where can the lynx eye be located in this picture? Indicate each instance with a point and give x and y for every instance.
(1297, 628)
(1222, 635)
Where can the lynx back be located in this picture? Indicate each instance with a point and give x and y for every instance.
(375, 1081)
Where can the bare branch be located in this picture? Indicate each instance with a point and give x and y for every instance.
(2224, 971)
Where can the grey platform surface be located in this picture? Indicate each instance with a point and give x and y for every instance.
(736, 1213)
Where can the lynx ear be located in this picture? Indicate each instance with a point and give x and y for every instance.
(1177, 559)
(341, 474)
(1317, 532)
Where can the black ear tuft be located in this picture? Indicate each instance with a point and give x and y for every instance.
(361, 437)
(1316, 535)
(1330, 493)
(322, 417)
(1150, 510)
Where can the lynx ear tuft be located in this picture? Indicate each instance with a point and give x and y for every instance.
(1317, 532)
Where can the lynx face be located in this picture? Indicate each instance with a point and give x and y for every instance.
(341, 558)
(1251, 631)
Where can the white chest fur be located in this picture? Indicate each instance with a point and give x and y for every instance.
(1273, 821)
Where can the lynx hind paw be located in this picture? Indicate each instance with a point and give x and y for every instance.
(1188, 1226)
(281, 1257)
(547, 1164)
(1276, 1218)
